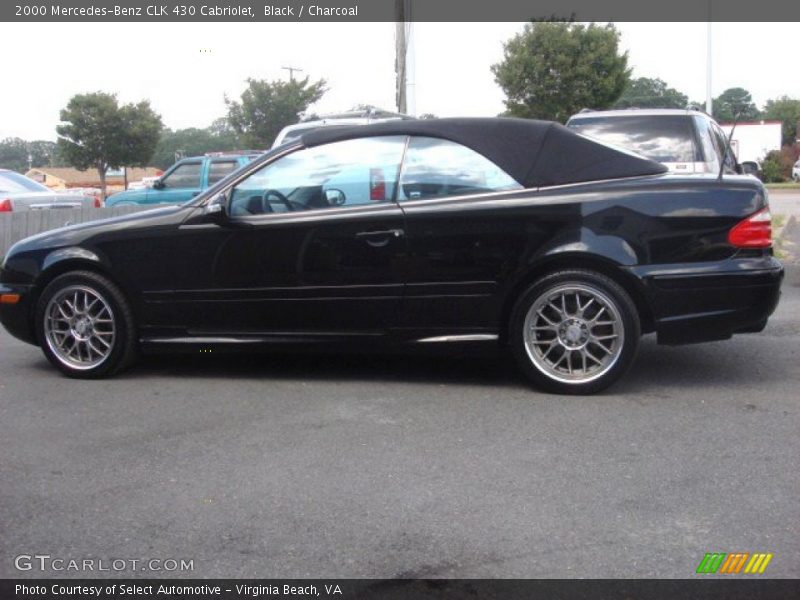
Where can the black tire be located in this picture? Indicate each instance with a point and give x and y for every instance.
(575, 335)
(119, 347)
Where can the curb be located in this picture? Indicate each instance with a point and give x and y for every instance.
(785, 242)
(777, 233)
(790, 224)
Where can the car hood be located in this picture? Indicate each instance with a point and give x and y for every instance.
(76, 234)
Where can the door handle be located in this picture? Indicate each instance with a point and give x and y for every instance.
(386, 233)
(378, 239)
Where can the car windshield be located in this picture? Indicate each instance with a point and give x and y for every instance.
(663, 138)
(14, 183)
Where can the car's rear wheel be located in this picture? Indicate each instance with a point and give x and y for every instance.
(574, 332)
(85, 325)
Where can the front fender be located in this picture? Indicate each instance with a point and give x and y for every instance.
(72, 253)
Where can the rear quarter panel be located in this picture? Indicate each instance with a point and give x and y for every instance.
(469, 257)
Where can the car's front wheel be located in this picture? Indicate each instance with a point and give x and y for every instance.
(85, 325)
(574, 332)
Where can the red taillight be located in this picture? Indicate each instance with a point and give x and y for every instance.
(377, 185)
(754, 232)
(5, 205)
(98, 203)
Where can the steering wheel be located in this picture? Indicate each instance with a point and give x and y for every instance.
(267, 205)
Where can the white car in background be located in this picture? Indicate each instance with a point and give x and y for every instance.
(796, 171)
(686, 141)
(356, 117)
(19, 193)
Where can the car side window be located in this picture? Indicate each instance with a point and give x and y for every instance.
(436, 168)
(218, 169)
(725, 151)
(709, 143)
(186, 175)
(348, 173)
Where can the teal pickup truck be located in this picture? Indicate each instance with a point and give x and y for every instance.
(184, 180)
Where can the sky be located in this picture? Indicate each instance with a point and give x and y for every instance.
(186, 69)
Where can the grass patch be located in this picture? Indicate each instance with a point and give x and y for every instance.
(788, 185)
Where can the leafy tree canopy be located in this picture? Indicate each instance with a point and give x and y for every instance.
(734, 103)
(20, 155)
(193, 141)
(266, 107)
(646, 92)
(96, 132)
(554, 69)
(787, 110)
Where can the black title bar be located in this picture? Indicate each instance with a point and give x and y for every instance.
(387, 10)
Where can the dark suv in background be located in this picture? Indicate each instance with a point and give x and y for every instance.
(686, 141)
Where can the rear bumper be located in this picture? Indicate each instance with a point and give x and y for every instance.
(712, 301)
(16, 318)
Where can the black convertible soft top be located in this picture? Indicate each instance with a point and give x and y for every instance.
(534, 153)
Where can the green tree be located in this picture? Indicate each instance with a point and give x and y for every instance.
(42, 153)
(734, 103)
(787, 110)
(142, 130)
(96, 132)
(14, 154)
(552, 70)
(772, 168)
(19, 155)
(646, 92)
(191, 142)
(266, 107)
(222, 130)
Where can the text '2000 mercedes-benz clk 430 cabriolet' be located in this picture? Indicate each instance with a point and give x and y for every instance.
(514, 232)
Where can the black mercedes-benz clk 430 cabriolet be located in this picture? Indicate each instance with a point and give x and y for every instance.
(516, 232)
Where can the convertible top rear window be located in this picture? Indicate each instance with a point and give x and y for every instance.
(666, 138)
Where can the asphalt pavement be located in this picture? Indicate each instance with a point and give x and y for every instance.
(393, 466)
(785, 202)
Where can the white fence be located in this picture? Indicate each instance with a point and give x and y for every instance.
(15, 226)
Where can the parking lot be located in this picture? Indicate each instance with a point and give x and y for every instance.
(393, 466)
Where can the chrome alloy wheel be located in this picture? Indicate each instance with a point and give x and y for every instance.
(574, 333)
(79, 327)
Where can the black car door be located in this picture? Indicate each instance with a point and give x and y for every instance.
(465, 237)
(313, 246)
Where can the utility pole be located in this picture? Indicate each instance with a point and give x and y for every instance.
(400, 48)
(404, 58)
(291, 71)
(709, 102)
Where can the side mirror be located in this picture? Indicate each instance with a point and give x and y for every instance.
(335, 197)
(218, 207)
(748, 167)
(159, 185)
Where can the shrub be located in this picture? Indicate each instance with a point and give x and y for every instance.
(771, 168)
(777, 165)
